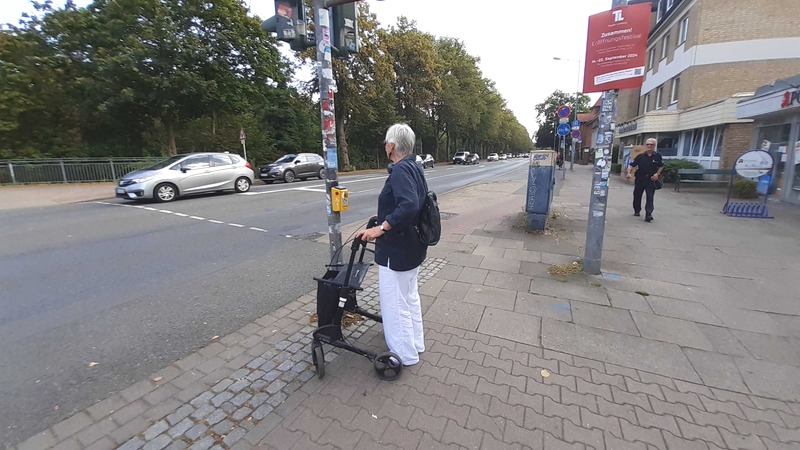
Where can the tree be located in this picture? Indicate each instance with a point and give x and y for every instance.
(546, 115)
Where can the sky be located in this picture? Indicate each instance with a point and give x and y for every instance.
(516, 42)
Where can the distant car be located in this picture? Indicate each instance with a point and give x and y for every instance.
(460, 157)
(190, 173)
(293, 166)
(473, 158)
(503, 156)
(493, 157)
(426, 161)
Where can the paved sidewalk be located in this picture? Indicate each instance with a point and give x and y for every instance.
(690, 340)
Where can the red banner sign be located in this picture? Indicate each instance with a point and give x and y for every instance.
(616, 48)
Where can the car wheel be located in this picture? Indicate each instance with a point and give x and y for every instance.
(165, 192)
(288, 176)
(268, 181)
(242, 184)
(321, 173)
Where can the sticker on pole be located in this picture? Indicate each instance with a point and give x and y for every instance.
(563, 129)
(564, 111)
(754, 163)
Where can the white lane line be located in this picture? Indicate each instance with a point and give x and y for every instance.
(215, 221)
(197, 218)
(311, 189)
(258, 229)
(150, 209)
(236, 225)
(165, 211)
(181, 214)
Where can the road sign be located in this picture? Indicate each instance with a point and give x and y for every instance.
(563, 129)
(242, 137)
(579, 140)
(576, 128)
(563, 120)
(576, 134)
(564, 111)
(576, 123)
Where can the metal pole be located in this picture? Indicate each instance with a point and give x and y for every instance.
(328, 119)
(244, 147)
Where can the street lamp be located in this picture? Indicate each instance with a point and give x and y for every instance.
(575, 106)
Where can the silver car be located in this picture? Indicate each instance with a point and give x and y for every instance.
(190, 173)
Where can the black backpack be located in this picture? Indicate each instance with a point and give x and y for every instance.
(429, 225)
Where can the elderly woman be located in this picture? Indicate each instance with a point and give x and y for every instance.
(399, 251)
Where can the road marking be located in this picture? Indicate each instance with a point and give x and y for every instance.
(311, 189)
(166, 211)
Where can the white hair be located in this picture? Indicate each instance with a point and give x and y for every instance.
(403, 138)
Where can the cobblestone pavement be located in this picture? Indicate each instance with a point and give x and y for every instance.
(656, 355)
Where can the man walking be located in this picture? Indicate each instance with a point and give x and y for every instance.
(648, 169)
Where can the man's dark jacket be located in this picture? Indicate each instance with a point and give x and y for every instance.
(399, 204)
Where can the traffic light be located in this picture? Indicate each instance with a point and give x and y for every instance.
(289, 23)
(345, 29)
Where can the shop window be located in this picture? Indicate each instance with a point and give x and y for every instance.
(686, 143)
(708, 142)
(718, 142)
(697, 140)
(664, 46)
(667, 144)
(775, 139)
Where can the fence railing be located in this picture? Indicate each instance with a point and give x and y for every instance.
(69, 170)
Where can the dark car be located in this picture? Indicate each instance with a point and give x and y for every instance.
(293, 166)
(473, 158)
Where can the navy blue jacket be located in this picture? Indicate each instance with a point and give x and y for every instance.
(399, 204)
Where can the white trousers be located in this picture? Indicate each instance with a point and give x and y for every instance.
(402, 313)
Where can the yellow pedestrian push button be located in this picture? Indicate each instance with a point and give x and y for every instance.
(339, 199)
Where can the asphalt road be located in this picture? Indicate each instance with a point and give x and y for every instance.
(96, 296)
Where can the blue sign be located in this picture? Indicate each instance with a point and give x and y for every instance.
(563, 129)
(564, 111)
(576, 134)
(576, 123)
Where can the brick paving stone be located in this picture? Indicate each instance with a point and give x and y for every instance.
(262, 411)
(180, 428)
(786, 435)
(676, 442)
(399, 413)
(699, 389)
(421, 401)
(339, 436)
(400, 436)
(72, 444)
(490, 442)
(427, 423)
(607, 408)
(514, 381)
(692, 431)
(221, 398)
(103, 444)
(105, 407)
(234, 436)
(574, 433)
(196, 431)
(745, 427)
(553, 443)
(650, 389)
(487, 349)
(730, 396)
(530, 438)
(580, 372)
(689, 398)
(566, 381)
(447, 391)
(241, 413)
(547, 390)
(468, 381)
(468, 398)
(738, 441)
(179, 414)
(487, 423)
(636, 399)
(455, 434)
(599, 377)
(538, 364)
(93, 432)
(457, 413)
(790, 420)
(613, 369)
(457, 365)
(513, 413)
(155, 430)
(133, 444)
(730, 408)
(72, 425)
(222, 427)
(502, 364)
(600, 390)
(552, 425)
(369, 423)
(587, 401)
(568, 412)
(762, 415)
(241, 398)
(614, 443)
(608, 424)
(719, 420)
(228, 407)
(661, 421)
(651, 436)
(673, 409)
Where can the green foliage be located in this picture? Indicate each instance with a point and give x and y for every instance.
(671, 166)
(546, 115)
(744, 188)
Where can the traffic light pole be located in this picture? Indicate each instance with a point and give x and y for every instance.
(328, 119)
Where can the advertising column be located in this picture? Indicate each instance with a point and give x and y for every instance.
(615, 59)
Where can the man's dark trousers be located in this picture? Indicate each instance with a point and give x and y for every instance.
(646, 186)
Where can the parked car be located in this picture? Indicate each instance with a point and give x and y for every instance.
(293, 166)
(460, 157)
(190, 173)
(493, 157)
(473, 158)
(425, 161)
(503, 156)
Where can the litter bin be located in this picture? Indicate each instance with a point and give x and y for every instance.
(541, 181)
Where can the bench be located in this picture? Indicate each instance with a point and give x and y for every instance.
(684, 176)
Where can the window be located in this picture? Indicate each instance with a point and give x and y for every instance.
(670, 3)
(646, 102)
(708, 142)
(196, 162)
(676, 84)
(697, 138)
(667, 144)
(651, 58)
(659, 93)
(658, 14)
(664, 46)
(221, 160)
(683, 30)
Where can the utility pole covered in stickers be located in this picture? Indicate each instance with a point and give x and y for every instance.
(327, 87)
(615, 58)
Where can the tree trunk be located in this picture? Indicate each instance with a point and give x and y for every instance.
(448, 144)
(341, 137)
(173, 148)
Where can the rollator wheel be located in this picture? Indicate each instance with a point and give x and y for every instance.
(318, 358)
(388, 366)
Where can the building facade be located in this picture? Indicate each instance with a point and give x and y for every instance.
(703, 57)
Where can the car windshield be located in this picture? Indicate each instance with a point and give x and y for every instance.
(287, 158)
(461, 154)
(166, 163)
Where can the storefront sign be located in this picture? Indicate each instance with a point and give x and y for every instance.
(790, 98)
(616, 48)
(754, 163)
